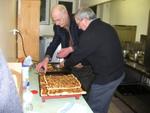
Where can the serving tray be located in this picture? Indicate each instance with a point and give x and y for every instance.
(76, 96)
(48, 91)
(55, 68)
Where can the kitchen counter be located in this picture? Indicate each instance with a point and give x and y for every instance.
(138, 67)
(54, 105)
(135, 90)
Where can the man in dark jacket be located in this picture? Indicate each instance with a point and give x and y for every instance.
(99, 45)
(66, 33)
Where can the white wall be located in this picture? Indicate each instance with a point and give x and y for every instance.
(130, 12)
(123, 12)
(93, 2)
(8, 22)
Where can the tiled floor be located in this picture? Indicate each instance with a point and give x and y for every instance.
(118, 106)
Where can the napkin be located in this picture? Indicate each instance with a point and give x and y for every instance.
(72, 108)
(27, 61)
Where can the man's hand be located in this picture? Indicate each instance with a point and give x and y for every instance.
(64, 52)
(62, 64)
(43, 64)
(79, 65)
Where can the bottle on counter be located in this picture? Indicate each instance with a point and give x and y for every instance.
(25, 73)
(27, 100)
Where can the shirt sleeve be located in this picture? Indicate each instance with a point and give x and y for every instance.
(54, 44)
(87, 45)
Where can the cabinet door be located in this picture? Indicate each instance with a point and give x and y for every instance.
(123, 30)
(29, 24)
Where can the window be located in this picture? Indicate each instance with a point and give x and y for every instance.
(68, 5)
(44, 11)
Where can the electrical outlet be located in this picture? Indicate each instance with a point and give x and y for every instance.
(14, 31)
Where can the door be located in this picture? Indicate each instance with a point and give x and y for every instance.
(28, 25)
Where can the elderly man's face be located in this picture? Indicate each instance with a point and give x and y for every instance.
(81, 24)
(59, 18)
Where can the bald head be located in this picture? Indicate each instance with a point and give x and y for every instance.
(59, 8)
(60, 15)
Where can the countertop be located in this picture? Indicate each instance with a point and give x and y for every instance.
(138, 67)
(54, 105)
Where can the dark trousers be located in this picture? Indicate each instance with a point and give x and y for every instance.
(100, 95)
